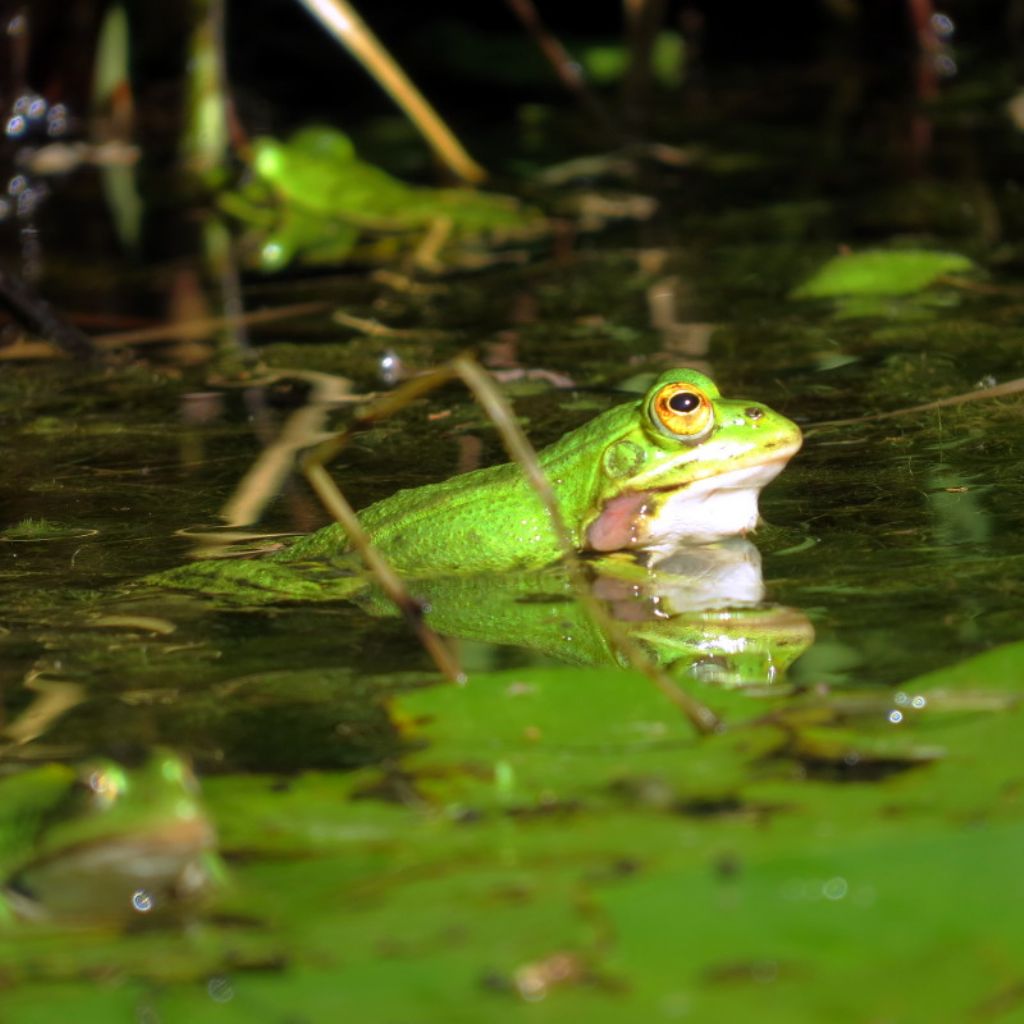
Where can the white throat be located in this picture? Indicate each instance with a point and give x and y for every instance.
(708, 510)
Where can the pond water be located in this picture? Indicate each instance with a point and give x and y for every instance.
(548, 839)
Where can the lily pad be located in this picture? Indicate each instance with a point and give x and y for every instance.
(555, 842)
(877, 272)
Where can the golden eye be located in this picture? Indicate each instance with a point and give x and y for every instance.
(683, 411)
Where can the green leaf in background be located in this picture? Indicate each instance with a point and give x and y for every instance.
(875, 273)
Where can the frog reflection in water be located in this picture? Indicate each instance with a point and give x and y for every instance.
(700, 616)
(103, 843)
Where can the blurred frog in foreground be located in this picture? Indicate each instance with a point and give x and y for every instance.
(103, 843)
(312, 198)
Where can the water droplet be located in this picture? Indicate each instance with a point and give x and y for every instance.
(146, 1014)
(919, 701)
(895, 717)
(835, 888)
(15, 127)
(942, 25)
(273, 254)
(29, 200)
(57, 120)
(220, 989)
(390, 367)
(17, 185)
(142, 901)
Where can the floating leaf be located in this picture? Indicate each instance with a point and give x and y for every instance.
(881, 273)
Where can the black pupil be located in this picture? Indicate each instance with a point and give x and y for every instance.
(685, 401)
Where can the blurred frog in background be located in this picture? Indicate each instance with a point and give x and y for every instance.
(313, 199)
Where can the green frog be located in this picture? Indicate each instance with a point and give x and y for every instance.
(318, 199)
(100, 842)
(682, 465)
(679, 466)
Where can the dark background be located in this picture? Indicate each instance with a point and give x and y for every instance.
(278, 57)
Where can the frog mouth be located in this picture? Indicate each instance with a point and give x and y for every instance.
(700, 511)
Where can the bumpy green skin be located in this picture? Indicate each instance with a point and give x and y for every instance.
(491, 519)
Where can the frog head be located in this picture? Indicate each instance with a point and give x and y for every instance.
(685, 465)
(118, 843)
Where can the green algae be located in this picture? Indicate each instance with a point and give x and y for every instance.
(30, 529)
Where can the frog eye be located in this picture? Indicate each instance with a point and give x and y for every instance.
(683, 411)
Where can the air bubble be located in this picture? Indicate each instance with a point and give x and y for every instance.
(835, 888)
(390, 367)
(29, 199)
(273, 254)
(16, 126)
(895, 717)
(142, 901)
(57, 120)
(220, 989)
